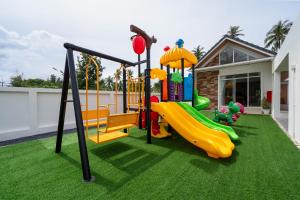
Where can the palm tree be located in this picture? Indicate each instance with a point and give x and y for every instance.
(198, 51)
(235, 32)
(117, 75)
(129, 73)
(109, 83)
(277, 34)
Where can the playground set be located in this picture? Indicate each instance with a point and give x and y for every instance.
(176, 109)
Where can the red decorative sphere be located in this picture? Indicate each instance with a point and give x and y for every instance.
(138, 44)
(167, 48)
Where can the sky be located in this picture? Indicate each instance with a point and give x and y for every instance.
(32, 32)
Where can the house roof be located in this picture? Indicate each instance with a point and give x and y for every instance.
(239, 41)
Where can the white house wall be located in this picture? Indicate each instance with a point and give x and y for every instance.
(265, 69)
(291, 48)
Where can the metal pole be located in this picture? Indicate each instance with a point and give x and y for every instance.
(62, 109)
(124, 94)
(182, 75)
(79, 124)
(147, 96)
(193, 87)
(140, 92)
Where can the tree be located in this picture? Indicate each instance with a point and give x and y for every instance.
(17, 80)
(235, 32)
(198, 51)
(156, 87)
(52, 78)
(276, 35)
(109, 83)
(129, 73)
(82, 61)
(117, 78)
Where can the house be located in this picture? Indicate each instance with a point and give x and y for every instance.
(286, 79)
(234, 69)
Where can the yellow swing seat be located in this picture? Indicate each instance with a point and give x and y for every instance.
(115, 123)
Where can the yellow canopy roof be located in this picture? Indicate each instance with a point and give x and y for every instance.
(173, 58)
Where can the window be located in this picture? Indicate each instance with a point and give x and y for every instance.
(226, 56)
(239, 56)
(242, 88)
(231, 55)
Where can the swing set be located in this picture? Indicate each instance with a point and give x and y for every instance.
(136, 99)
(101, 116)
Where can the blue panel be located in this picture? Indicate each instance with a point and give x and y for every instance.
(188, 87)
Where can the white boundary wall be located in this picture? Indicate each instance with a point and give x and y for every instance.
(32, 111)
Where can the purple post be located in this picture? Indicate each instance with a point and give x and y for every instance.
(172, 91)
(180, 94)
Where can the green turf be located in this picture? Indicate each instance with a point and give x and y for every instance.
(264, 165)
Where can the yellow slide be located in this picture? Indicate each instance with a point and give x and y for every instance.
(217, 144)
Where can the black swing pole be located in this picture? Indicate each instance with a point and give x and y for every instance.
(70, 73)
(149, 41)
(147, 96)
(124, 93)
(62, 109)
(140, 94)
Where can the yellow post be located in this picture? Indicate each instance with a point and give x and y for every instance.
(116, 95)
(97, 98)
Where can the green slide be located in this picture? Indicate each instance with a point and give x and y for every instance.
(209, 123)
(200, 102)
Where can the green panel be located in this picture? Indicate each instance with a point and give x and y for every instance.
(209, 123)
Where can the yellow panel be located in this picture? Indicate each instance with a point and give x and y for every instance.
(122, 119)
(176, 54)
(116, 128)
(93, 123)
(107, 137)
(92, 114)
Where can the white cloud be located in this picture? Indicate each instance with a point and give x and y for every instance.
(33, 54)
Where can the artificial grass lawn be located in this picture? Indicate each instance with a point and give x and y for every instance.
(264, 165)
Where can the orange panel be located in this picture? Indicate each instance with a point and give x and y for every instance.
(107, 137)
(165, 90)
(92, 114)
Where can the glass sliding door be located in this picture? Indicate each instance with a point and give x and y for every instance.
(254, 91)
(241, 94)
(227, 91)
(242, 88)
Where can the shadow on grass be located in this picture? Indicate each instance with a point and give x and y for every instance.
(104, 181)
(240, 126)
(178, 143)
(243, 133)
(124, 157)
(211, 165)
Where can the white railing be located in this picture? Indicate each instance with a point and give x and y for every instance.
(31, 111)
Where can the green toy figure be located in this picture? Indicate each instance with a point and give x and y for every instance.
(226, 117)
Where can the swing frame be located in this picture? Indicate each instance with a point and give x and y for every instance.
(70, 75)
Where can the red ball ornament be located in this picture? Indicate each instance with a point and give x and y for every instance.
(167, 48)
(138, 44)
